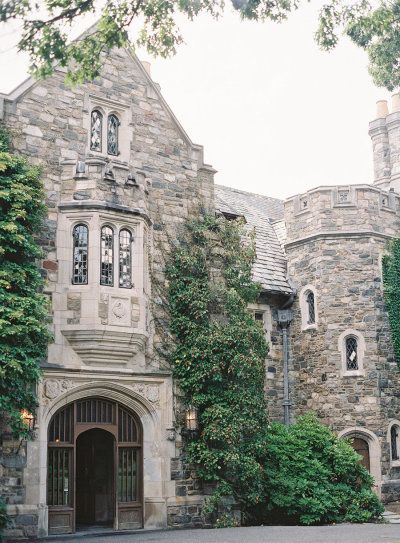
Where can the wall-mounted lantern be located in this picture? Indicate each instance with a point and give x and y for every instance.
(191, 428)
(28, 419)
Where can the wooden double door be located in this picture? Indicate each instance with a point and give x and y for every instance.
(94, 467)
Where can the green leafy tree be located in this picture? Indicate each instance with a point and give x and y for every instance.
(371, 26)
(391, 286)
(313, 477)
(219, 355)
(23, 309)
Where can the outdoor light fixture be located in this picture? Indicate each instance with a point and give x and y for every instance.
(191, 429)
(28, 419)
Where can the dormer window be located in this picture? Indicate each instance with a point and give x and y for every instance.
(96, 129)
(112, 135)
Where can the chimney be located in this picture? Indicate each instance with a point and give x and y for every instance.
(380, 145)
(393, 130)
(146, 65)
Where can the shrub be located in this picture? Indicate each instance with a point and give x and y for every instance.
(4, 519)
(314, 477)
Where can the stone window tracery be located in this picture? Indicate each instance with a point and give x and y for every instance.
(112, 135)
(125, 258)
(96, 128)
(107, 256)
(80, 237)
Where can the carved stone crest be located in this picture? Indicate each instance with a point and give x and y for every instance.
(52, 389)
(152, 393)
(119, 309)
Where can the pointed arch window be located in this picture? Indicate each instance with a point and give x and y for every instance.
(351, 353)
(125, 258)
(112, 135)
(107, 256)
(80, 237)
(310, 300)
(96, 128)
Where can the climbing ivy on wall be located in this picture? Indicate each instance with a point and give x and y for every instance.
(23, 309)
(219, 354)
(391, 285)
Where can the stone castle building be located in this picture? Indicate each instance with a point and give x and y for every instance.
(121, 175)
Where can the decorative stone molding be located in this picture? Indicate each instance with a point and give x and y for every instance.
(102, 346)
(53, 388)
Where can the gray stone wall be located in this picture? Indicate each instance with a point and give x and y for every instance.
(336, 245)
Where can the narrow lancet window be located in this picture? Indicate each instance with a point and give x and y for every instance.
(351, 353)
(80, 254)
(112, 135)
(125, 258)
(107, 256)
(394, 434)
(310, 299)
(96, 130)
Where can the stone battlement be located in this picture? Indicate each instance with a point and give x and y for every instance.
(352, 210)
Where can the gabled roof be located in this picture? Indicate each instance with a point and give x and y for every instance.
(31, 82)
(260, 211)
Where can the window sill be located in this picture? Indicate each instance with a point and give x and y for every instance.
(395, 463)
(353, 373)
(309, 327)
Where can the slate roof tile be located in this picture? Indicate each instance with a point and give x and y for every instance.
(266, 216)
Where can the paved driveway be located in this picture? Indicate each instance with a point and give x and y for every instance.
(343, 533)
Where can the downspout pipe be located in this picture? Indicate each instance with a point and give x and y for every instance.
(285, 317)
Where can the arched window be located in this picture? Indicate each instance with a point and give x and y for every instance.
(351, 353)
(125, 258)
(308, 307)
(394, 442)
(96, 128)
(310, 300)
(107, 256)
(80, 236)
(112, 135)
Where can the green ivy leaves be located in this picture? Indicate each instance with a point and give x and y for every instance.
(23, 310)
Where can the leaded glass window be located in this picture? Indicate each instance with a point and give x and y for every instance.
(351, 353)
(112, 135)
(394, 434)
(107, 256)
(125, 258)
(80, 237)
(96, 128)
(310, 299)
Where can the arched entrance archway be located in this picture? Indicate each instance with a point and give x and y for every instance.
(86, 438)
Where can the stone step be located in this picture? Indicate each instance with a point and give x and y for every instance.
(392, 518)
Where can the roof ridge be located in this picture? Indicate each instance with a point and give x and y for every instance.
(234, 189)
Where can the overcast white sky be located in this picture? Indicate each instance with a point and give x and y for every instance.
(275, 114)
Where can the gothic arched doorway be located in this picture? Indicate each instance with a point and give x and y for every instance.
(94, 468)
